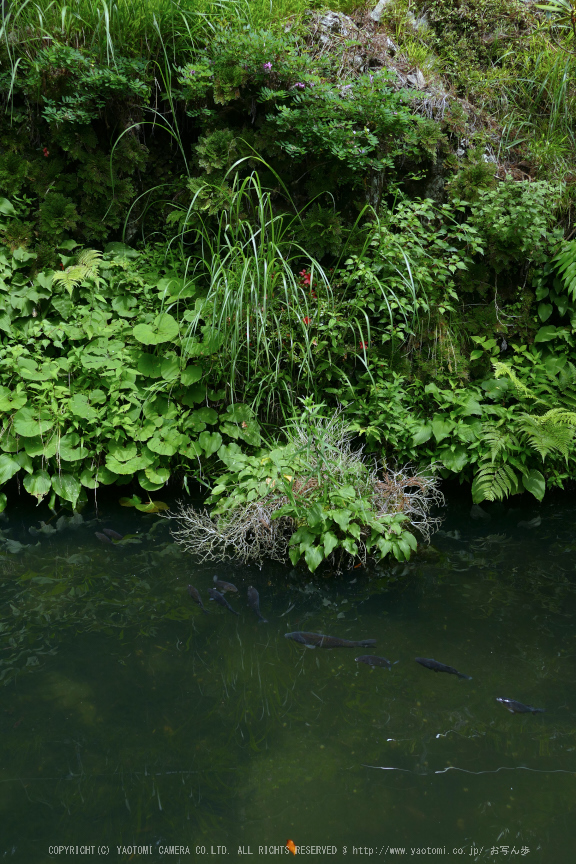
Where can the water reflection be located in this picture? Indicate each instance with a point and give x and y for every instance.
(130, 717)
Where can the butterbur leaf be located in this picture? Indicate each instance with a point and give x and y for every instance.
(80, 407)
(210, 442)
(206, 415)
(238, 413)
(8, 468)
(150, 365)
(88, 479)
(170, 368)
(157, 474)
(11, 400)
(191, 375)
(163, 329)
(152, 507)
(130, 502)
(30, 422)
(38, 484)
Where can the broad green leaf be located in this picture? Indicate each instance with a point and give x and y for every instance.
(454, 459)
(37, 446)
(68, 448)
(313, 556)
(130, 502)
(330, 542)
(38, 484)
(120, 250)
(210, 442)
(250, 432)
(147, 485)
(341, 517)
(191, 375)
(441, 427)
(152, 507)
(232, 456)
(194, 394)
(549, 332)
(535, 483)
(31, 422)
(294, 554)
(384, 546)
(157, 474)
(150, 365)
(6, 207)
(11, 400)
(350, 546)
(123, 451)
(131, 466)
(206, 415)
(162, 446)
(3, 501)
(545, 311)
(66, 487)
(8, 468)
(423, 434)
(80, 407)
(163, 329)
(24, 461)
(88, 479)
(315, 516)
(105, 476)
(125, 305)
(171, 368)
(238, 413)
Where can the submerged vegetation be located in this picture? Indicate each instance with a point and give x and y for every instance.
(212, 212)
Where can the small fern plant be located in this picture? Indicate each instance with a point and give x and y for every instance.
(86, 267)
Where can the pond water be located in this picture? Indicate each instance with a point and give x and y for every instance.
(130, 721)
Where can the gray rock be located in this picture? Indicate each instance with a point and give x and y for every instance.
(416, 79)
(378, 11)
(337, 24)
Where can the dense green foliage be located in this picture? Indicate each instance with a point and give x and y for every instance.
(200, 230)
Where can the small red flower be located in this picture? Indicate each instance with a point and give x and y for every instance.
(46, 151)
(307, 320)
(363, 344)
(305, 276)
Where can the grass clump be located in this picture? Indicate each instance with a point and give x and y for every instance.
(314, 498)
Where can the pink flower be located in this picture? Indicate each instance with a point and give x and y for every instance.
(267, 67)
(300, 85)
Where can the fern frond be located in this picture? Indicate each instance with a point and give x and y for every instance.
(503, 369)
(494, 482)
(497, 438)
(553, 431)
(90, 258)
(86, 266)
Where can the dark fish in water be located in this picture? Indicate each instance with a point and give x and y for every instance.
(254, 603)
(113, 534)
(440, 667)
(518, 708)
(224, 586)
(318, 639)
(372, 660)
(216, 595)
(196, 597)
(103, 538)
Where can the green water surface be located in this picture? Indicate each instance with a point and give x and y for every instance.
(132, 721)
